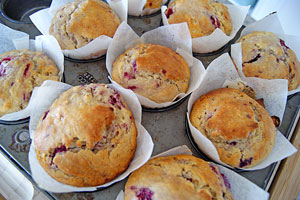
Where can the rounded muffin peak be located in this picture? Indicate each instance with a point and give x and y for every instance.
(202, 16)
(20, 72)
(160, 177)
(267, 56)
(153, 71)
(239, 127)
(78, 23)
(87, 137)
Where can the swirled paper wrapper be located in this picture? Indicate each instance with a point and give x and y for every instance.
(97, 47)
(11, 40)
(274, 92)
(270, 23)
(174, 36)
(49, 91)
(136, 8)
(241, 188)
(218, 38)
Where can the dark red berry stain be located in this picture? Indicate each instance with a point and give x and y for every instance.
(282, 43)
(214, 169)
(150, 4)
(134, 66)
(116, 100)
(214, 20)
(254, 59)
(26, 70)
(45, 114)
(164, 72)
(144, 194)
(245, 162)
(233, 143)
(129, 76)
(61, 149)
(12, 83)
(169, 12)
(248, 116)
(24, 96)
(133, 188)
(131, 87)
(226, 182)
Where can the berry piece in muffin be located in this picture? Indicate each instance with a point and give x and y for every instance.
(78, 23)
(177, 177)
(20, 72)
(153, 71)
(87, 137)
(202, 16)
(266, 56)
(239, 127)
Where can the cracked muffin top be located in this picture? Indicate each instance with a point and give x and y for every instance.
(177, 177)
(153, 71)
(266, 56)
(78, 23)
(239, 127)
(87, 137)
(20, 72)
(202, 16)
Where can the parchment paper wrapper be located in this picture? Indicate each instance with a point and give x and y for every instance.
(175, 36)
(241, 188)
(273, 91)
(97, 47)
(218, 38)
(270, 23)
(136, 8)
(48, 92)
(11, 40)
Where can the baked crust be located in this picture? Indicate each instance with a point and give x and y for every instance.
(153, 71)
(152, 4)
(266, 56)
(177, 177)
(20, 72)
(202, 16)
(78, 23)
(87, 137)
(239, 127)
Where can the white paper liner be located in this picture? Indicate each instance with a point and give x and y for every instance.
(175, 36)
(241, 188)
(218, 38)
(11, 40)
(270, 23)
(274, 94)
(136, 8)
(97, 47)
(50, 90)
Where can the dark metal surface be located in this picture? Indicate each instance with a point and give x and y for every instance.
(167, 128)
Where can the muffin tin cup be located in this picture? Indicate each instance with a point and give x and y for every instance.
(240, 187)
(12, 40)
(85, 60)
(159, 36)
(217, 39)
(173, 106)
(18, 11)
(221, 73)
(272, 24)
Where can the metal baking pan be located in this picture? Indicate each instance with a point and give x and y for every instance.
(167, 128)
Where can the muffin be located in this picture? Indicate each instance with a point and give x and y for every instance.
(239, 127)
(177, 177)
(266, 56)
(153, 71)
(20, 72)
(87, 137)
(78, 23)
(202, 16)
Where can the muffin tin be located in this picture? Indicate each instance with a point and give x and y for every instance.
(166, 126)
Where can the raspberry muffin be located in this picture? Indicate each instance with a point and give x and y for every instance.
(87, 137)
(266, 56)
(153, 71)
(239, 127)
(202, 16)
(177, 177)
(78, 23)
(20, 72)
